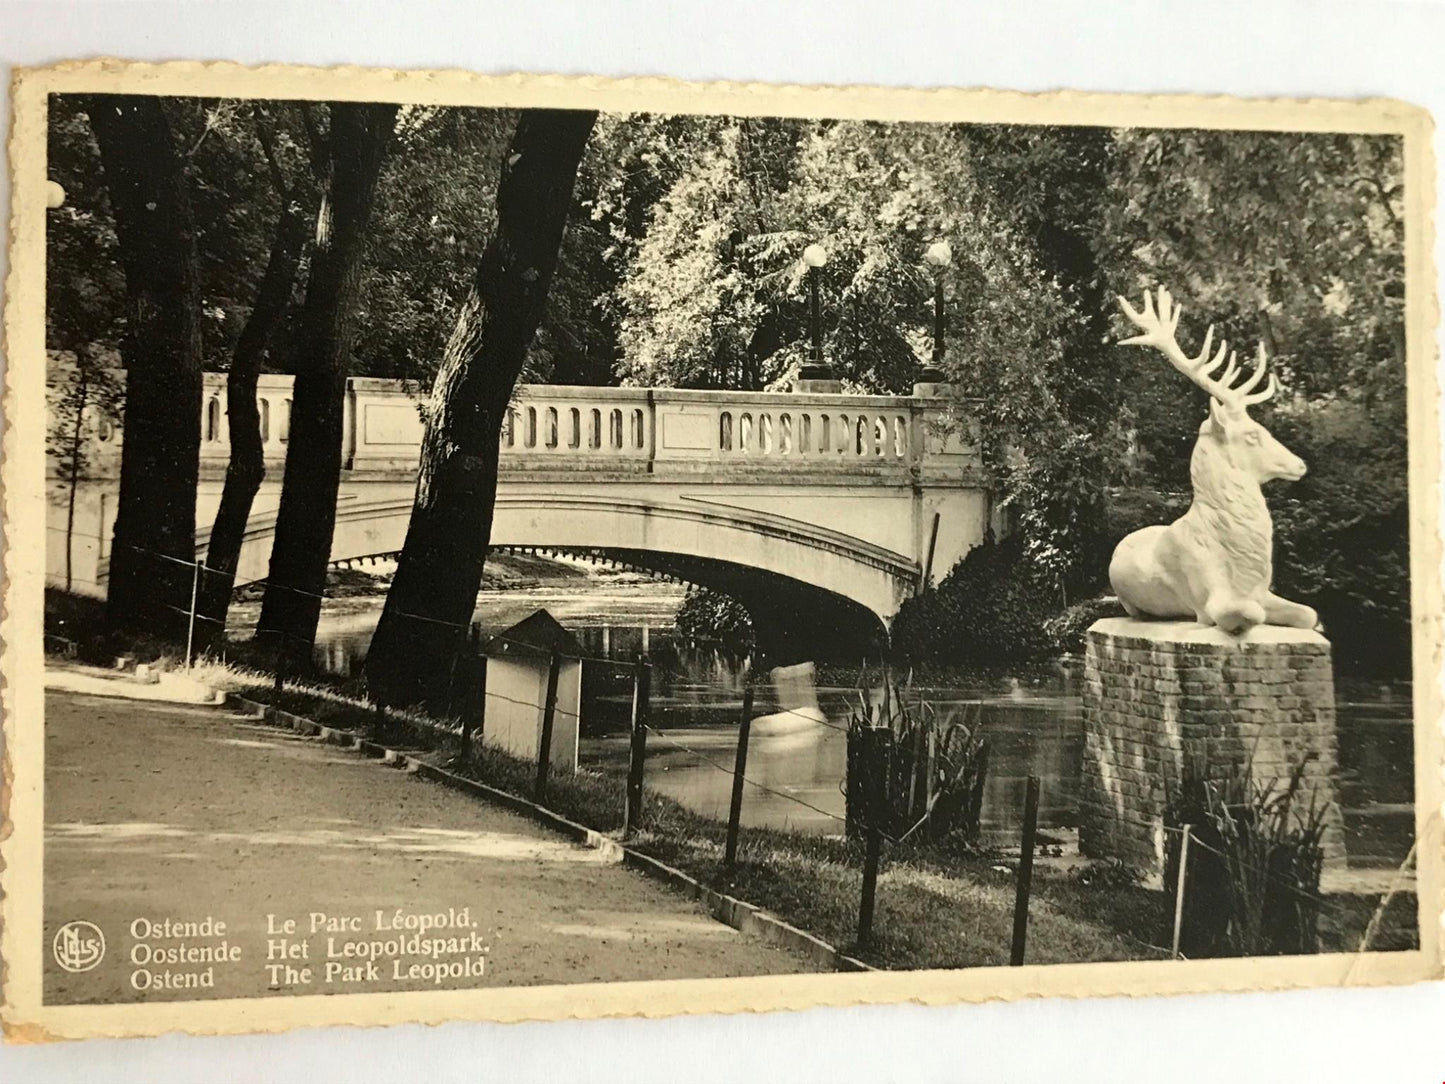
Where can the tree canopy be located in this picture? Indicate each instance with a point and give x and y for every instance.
(681, 265)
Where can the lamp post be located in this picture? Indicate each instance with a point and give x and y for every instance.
(938, 256)
(816, 375)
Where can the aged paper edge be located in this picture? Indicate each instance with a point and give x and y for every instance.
(21, 626)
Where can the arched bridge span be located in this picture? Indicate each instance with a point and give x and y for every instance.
(850, 495)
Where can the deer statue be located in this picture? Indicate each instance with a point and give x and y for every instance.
(1214, 563)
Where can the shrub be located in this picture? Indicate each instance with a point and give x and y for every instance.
(991, 608)
(1253, 885)
(712, 616)
(936, 768)
(1065, 631)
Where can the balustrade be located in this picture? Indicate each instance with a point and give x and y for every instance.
(383, 426)
(799, 434)
(572, 426)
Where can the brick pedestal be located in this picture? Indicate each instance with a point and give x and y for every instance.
(1162, 694)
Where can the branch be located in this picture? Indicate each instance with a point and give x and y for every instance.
(268, 147)
(1386, 193)
(205, 131)
(317, 141)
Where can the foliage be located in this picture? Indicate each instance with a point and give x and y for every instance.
(681, 265)
(1291, 239)
(1314, 268)
(1295, 240)
(435, 208)
(1065, 630)
(84, 396)
(990, 609)
(712, 615)
(935, 770)
(234, 202)
(716, 295)
(1253, 884)
(1342, 537)
(84, 285)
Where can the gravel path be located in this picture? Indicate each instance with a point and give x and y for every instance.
(163, 813)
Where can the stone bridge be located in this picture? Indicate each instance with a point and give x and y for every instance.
(793, 496)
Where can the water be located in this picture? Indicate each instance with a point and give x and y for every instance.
(798, 747)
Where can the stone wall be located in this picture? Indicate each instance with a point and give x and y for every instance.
(1160, 696)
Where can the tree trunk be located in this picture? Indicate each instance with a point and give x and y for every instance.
(356, 147)
(430, 603)
(75, 456)
(155, 523)
(246, 468)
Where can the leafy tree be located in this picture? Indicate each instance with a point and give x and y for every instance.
(439, 572)
(715, 294)
(295, 194)
(84, 398)
(84, 304)
(435, 203)
(1295, 240)
(1055, 180)
(631, 161)
(356, 144)
(84, 282)
(707, 285)
(156, 514)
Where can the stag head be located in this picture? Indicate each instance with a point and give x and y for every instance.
(1248, 446)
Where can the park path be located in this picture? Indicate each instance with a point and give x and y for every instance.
(159, 811)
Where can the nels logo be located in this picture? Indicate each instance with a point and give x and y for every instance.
(78, 946)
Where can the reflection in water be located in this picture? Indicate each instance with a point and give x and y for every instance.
(798, 746)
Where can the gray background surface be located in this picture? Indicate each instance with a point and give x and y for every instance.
(1260, 48)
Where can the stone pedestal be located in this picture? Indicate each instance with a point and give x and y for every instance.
(818, 385)
(930, 387)
(1160, 695)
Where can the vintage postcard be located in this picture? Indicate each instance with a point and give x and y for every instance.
(519, 548)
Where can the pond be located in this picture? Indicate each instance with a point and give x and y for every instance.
(798, 747)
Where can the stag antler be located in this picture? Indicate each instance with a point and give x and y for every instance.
(1159, 328)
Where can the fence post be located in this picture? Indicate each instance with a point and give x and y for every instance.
(191, 623)
(641, 692)
(918, 777)
(280, 662)
(1179, 891)
(1026, 871)
(740, 765)
(549, 713)
(875, 762)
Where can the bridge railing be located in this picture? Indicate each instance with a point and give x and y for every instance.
(801, 429)
(629, 428)
(558, 420)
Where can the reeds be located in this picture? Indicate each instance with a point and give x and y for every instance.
(1253, 886)
(937, 765)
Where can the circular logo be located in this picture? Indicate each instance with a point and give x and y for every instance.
(78, 946)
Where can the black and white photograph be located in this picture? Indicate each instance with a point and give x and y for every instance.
(575, 538)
